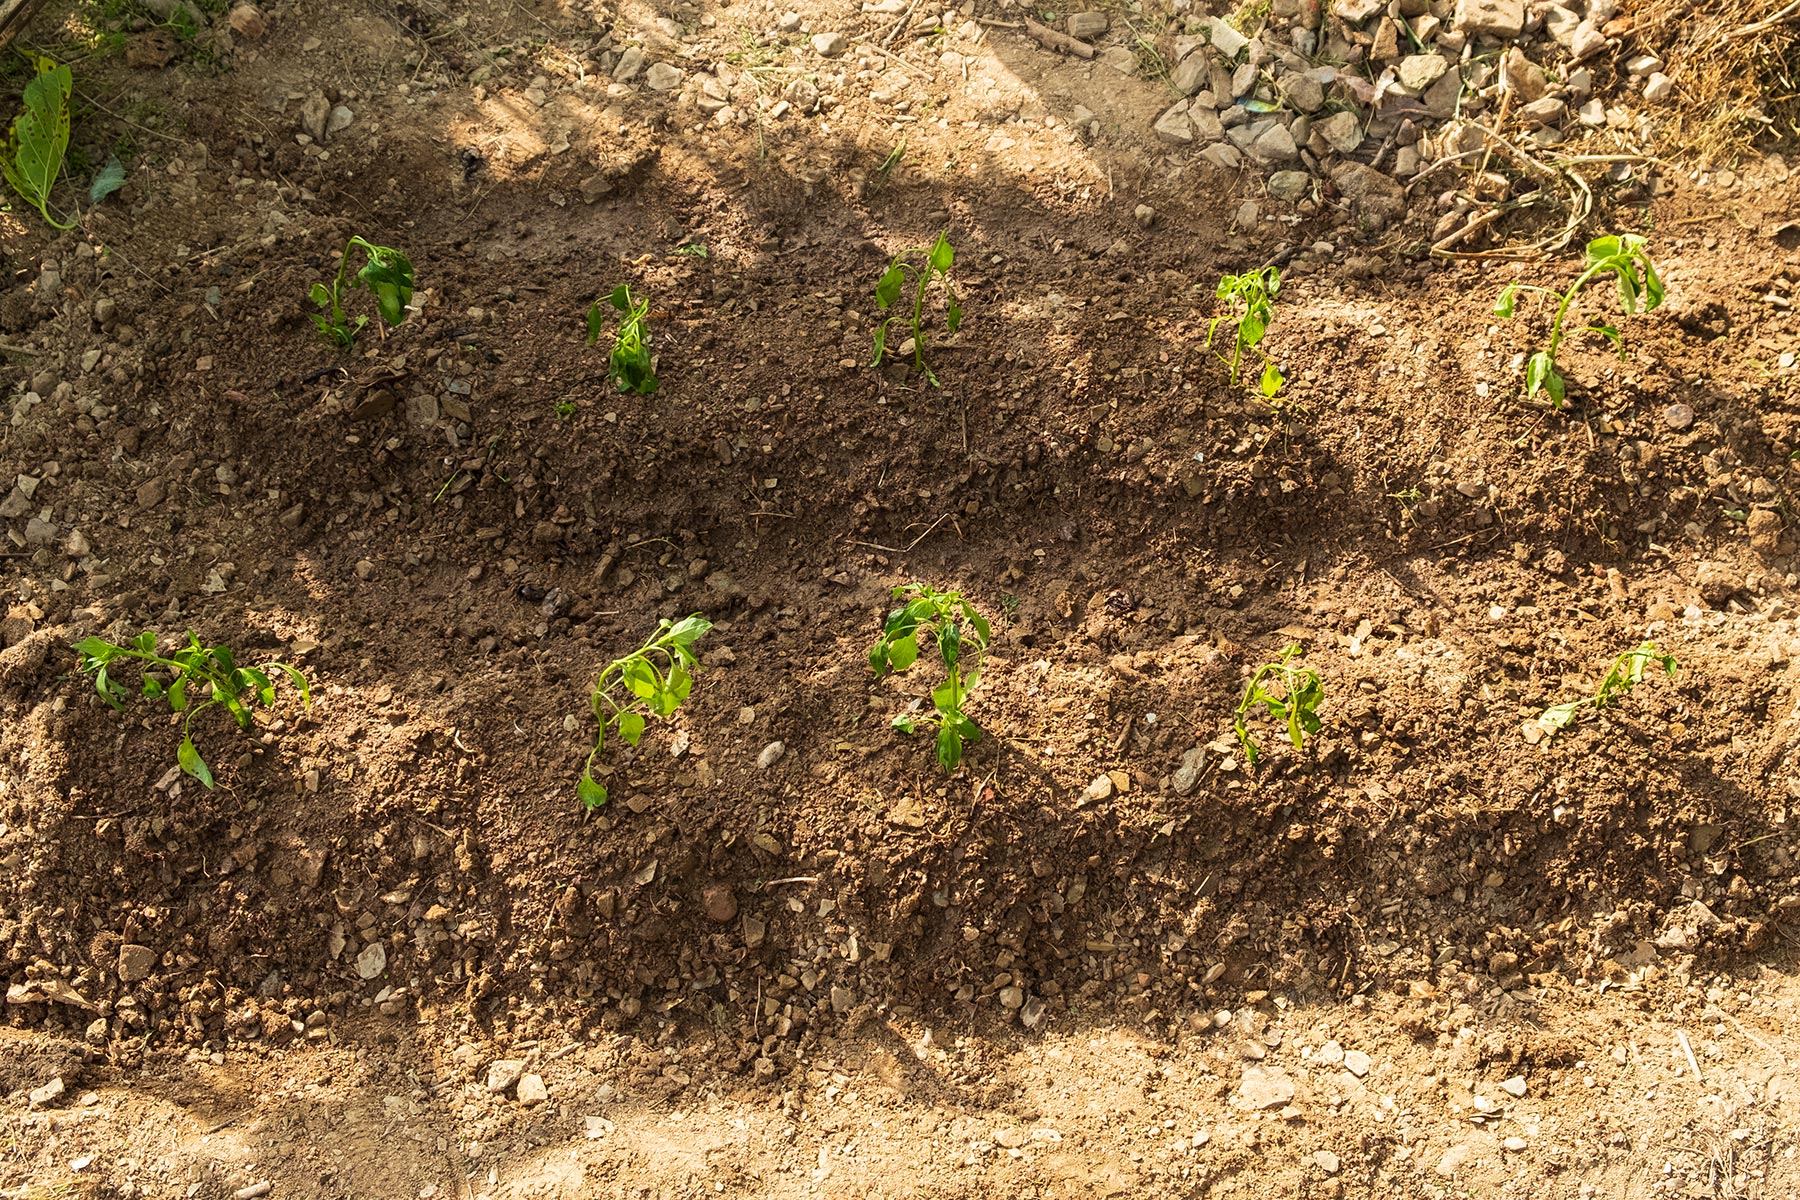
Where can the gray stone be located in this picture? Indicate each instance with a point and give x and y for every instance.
(340, 119)
(135, 963)
(1441, 97)
(1355, 12)
(315, 110)
(663, 77)
(1523, 77)
(50, 1093)
(771, 754)
(1243, 81)
(1304, 92)
(1547, 110)
(372, 960)
(1658, 87)
(1420, 71)
(1406, 162)
(1561, 23)
(1678, 416)
(1088, 25)
(531, 1090)
(1173, 128)
(1374, 198)
(1589, 41)
(1223, 155)
(1187, 775)
(830, 45)
(1274, 145)
(1327, 1162)
(1341, 131)
(1592, 114)
(1225, 39)
(1289, 186)
(1099, 789)
(1012, 997)
(1264, 1087)
(1357, 1063)
(39, 532)
(629, 66)
(1189, 75)
(1207, 126)
(1496, 18)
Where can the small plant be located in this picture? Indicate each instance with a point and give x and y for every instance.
(961, 635)
(1297, 706)
(936, 263)
(386, 272)
(1622, 256)
(39, 138)
(1252, 299)
(1627, 672)
(630, 362)
(651, 681)
(201, 677)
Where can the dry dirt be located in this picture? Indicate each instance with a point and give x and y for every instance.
(1435, 953)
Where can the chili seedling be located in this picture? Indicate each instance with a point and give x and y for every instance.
(933, 263)
(1626, 672)
(39, 138)
(1622, 256)
(200, 677)
(387, 273)
(651, 681)
(961, 636)
(629, 364)
(1297, 705)
(1252, 300)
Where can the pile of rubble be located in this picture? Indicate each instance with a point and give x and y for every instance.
(1396, 86)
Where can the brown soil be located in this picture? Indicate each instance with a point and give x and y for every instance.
(847, 974)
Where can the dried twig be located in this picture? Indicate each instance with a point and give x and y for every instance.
(14, 14)
(1052, 40)
(1756, 27)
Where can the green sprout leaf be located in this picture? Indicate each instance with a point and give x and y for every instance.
(39, 138)
(961, 635)
(1290, 694)
(652, 681)
(926, 265)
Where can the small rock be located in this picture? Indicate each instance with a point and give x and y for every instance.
(247, 21)
(1357, 1063)
(39, 532)
(663, 77)
(1289, 186)
(1764, 526)
(830, 45)
(1374, 198)
(1187, 775)
(1355, 12)
(1012, 996)
(1546, 110)
(1503, 19)
(1588, 42)
(291, 518)
(1327, 1162)
(1173, 128)
(1677, 416)
(340, 119)
(629, 66)
(1145, 215)
(1275, 144)
(1420, 71)
(1225, 39)
(1515, 1144)
(719, 903)
(1190, 75)
(1032, 1015)
(789, 23)
(315, 110)
(1515, 1086)
(771, 754)
(1223, 155)
(842, 999)
(48, 1094)
(1253, 1050)
(371, 961)
(504, 1074)
(1009, 1139)
(1263, 1087)
(1452, 1160)
(76, 545)
(1098, 790)
(531, 1090)
(1717, 583)
(1306, 93)
(135, 963)
(1088, 25)
(1658, 87)
(1342, 131)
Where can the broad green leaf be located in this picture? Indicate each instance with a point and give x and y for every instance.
(878, 657)
(1272, 380)
(970, 731)
(189, 757)
(621, 298)
(153, 686)
(1553, 384)
(594, 323)
(95, 648)
(1537, 368)
(1561, 716)
(903, 652)
(881, 342)
(1509, 296)
(298, 681)
(591, 794)
(1251, 329)
(146, 641)
(887, 288)
(641, 678)
(238, 712)
(952, 314)
(905, 723)
(1653, 285)
(984, 632)
(39, 138)
(944, 697)
(265, 691)
(942, 254)
(631, 727)
(1251, 753)
(949, 748)
(108, 689)
(221, 655)
(178, 693)
(107, 180)
(679, 686)
(388, 274)
(949, 642)
(689, 630)
(1602, 248)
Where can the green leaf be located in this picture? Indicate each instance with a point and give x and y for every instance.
(109, 691)
(903, 652)
(689, 630)
(949, 747)
(591, 794)
(178, 693)
(298, 680)
(984, 632)
(1503, 307)
(949, 643)
(887, 288)
(1272, 380)
(1537, 368)
(953, 313)
(878, 657)
(621, 298)
(970, 731)
(265, 691)
(388, 274)
(107, 180)
(641, 678)
(39, 138)
(679, 686)
(153, 686)
(1553, 384)
(189, 757)
(944, 697)
(905, 723)
(942, 254)
(631, 727)
(1653, 284)
(1561, 716)
(594, 323)
(881, 342)
(1251, 329)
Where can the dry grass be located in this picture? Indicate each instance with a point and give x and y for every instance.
(1736, 67)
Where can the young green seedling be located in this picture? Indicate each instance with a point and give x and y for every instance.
(961, 635)
(39, 138)
(1626, 672)
(1252, 300)
(200, 677)
(651, 681)
(386, 272)
(630, 363)
(1297, 706)
(934, 263)
(1626, 259)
